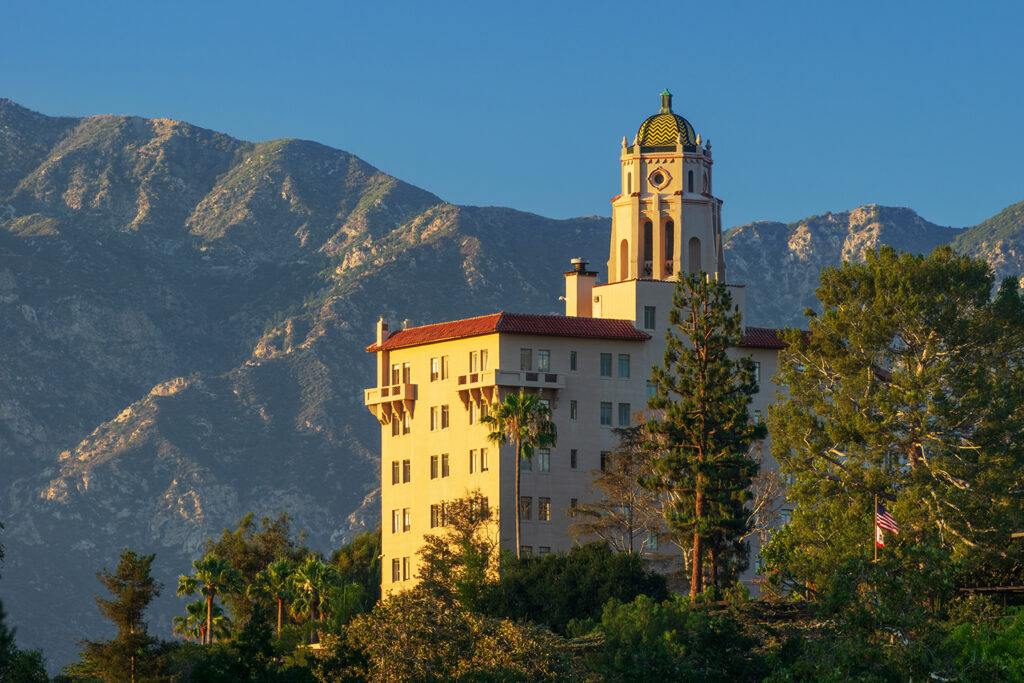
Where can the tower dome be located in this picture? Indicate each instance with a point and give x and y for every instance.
(665, 127)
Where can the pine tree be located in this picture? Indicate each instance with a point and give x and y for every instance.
(702, 423)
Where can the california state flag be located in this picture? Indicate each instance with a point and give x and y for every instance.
(879, 538)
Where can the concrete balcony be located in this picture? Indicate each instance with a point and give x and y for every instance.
(384, 402)
(482, 386)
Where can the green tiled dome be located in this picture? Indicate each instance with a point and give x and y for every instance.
(664, 128)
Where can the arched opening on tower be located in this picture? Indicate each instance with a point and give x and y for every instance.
(670, 245)
(624, 260)
(694, 252)
(648, 248)
(629, 183)
(689, 181)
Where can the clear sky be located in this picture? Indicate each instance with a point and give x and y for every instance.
(810, 107)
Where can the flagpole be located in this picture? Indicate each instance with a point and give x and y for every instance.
(874, 529)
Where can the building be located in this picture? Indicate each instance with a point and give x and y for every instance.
(591, 365)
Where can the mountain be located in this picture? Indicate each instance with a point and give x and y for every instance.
(183, 318)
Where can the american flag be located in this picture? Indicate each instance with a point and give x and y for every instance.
(883, 520)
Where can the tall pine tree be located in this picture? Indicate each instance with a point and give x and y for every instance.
(701, 422)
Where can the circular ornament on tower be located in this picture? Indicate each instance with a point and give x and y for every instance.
(659, 178)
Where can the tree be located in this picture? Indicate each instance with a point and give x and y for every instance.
(15, 664)
(525, 421)
(629, 516)
(312, 583)
(910, 386)
(359, 562)
(192, 626)
(458, 561)
(132, 651)
(213, 576)
(275, 582)
(702, 425)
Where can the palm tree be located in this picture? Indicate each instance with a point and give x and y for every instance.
(193, 624)
(312, 583)
(213, 575)
(526, 422)
(275, 582)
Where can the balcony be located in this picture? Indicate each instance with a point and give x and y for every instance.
(384, 402)
(481, 386)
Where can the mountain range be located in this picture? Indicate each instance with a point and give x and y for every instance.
(182, 324)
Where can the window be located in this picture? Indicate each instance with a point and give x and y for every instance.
(406, 423)
(444, 367)
(435, 516)
(652, 390)
(472, 461)
(406, 373)
(543, 459)
(604, 459)
(405, 569)
(396, 425)
(472, 413)
(526, 550)
(757, 416)
(396, 521)
(543, 549)
(624, 365)
(689, 181)
(472, 361)
(443, 521)
(483, 459)
(434, 414)
(525, 465)
(433, 467)
(649, 314)
(544, 509)
(543, 360)
(396, 570)
(573, 502)
(444, 465)
(606, 365)
(786, 516)
(406, 471)
(572, 361)
(444, 417)
(606, 414)
(483, 360)
(483, 409)
(526, 359)
(572, 410)
(484, 507)
(396, 373)
(406, 519)
(525, 508)
(394, 472)
(652, 541)
(757, 372)
(624, 414)
(573, 458)
(435, 369)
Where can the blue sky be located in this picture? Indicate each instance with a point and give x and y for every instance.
(810, 107)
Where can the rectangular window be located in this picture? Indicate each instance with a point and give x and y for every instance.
(572, 410)
(444, 515)
(483, 459)
(406, 422)
(525, 508)
(525, 465)
(396, 521)
(406, 373)
(757, 372)
(604, 459)
(396, 570)
(572, 361)
(543, 459)
(757, 416)
(483, 360)
(472, 361)
(444, 417)
(606, 414)
(648, 317)
(526, 359)
(624, 365)
(396, 373)
(526, 550)
(434, 413)
(484, 507)
(405, 569)
(543, 549)
(435, 369)
(406, 519)
(652, 390)
(606, 365)
(435, 516)
(543, 360)
(652, 541)
(394, 472)
(624, 414)
(573, 502)
(444, 465)
(573, 458)
(544, 509)
(433, 467)
(444, 367)
(472, 462)
(786, 516)
(406, 471)
(396, 425)
(483, 410)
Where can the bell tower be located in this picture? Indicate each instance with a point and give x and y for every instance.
(665, 221)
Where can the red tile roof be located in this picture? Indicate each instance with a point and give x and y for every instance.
(514, 323)
(765, 338)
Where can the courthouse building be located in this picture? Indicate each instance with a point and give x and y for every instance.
(591, 365)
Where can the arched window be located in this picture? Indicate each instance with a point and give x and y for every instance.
(670, 245)
(694, 249)
(629, 183)
(624, 260)
(689, 181)
(707, 187)
(648, 241)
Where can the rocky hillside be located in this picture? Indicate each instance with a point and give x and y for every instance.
(182, 324)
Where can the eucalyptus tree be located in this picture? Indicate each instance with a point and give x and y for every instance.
(525, 421)
(213, 576)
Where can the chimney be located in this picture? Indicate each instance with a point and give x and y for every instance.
(383, 357)
(579, 290)
(382, 330)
